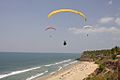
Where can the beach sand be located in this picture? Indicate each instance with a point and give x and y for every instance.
(77, 71)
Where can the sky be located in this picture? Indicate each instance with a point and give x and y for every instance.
(23, 24)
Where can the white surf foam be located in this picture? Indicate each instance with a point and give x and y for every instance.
(17, 72)
(59, 68)
(63, 62)
(73, 62)
(49, 65)
(37, 75)
(52, 72)
(65, 65)
(57, 63)
(69, 63)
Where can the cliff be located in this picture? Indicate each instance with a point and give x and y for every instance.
(108, 61)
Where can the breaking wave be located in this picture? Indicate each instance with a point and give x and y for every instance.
(17, 72)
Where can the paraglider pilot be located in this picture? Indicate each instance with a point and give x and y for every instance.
(65, 43)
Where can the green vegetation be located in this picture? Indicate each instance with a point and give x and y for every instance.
(109, 64)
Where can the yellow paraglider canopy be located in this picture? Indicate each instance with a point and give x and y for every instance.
(67, 10)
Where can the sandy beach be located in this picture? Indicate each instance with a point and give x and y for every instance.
(77, 71)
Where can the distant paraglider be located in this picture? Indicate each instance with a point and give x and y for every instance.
(88, 28)
(50, 28)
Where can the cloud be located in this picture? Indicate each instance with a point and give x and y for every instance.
(110, 2)
(117, 21)
(105, 20)
(109, 20)
(95, 30)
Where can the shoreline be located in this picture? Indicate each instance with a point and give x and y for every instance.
(77, 71)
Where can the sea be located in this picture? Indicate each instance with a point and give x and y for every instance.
(28, 66)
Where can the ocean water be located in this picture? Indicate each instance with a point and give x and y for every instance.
(27, 66)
